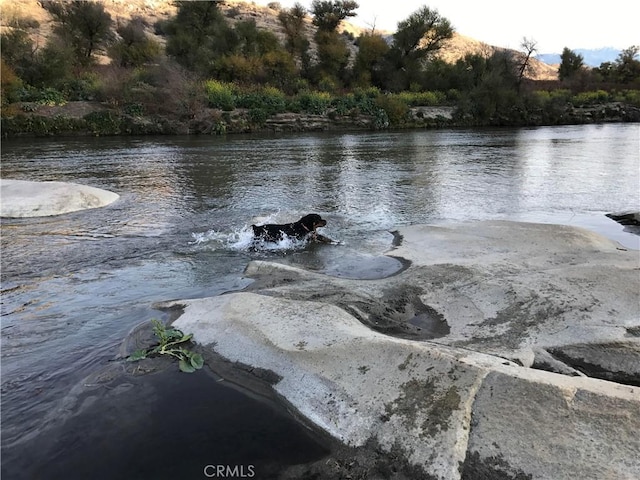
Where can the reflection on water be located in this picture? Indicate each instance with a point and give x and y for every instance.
(73, 285)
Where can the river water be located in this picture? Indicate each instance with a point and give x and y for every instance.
(74, 285)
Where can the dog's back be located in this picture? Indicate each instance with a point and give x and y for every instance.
(273, 232)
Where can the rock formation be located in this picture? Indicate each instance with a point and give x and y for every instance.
(21, 198)
(445, 361)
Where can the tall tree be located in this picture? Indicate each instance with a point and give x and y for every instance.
(327, 15)
(372, 49)
(570, 64)
(199, 35)
(333, 53)
(418, 37)
(134, 48)
(296, 42)
(627, 65)
(85, 25)
(530, 47)
(333, 59)
(422, 33)
(625, 69)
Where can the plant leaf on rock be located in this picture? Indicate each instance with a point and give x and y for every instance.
(170, 342)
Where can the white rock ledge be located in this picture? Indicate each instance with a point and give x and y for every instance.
(21, 198)
(456, 406)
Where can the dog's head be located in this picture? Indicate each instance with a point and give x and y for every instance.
(312, 221)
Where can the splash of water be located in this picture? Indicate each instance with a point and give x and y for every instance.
(242, 239)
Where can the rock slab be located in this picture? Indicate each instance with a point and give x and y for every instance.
(467, 404)
(21, 198)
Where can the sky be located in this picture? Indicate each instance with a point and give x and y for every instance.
(552, 24)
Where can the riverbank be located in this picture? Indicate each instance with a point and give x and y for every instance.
(98, 119)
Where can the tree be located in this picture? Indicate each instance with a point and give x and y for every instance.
(625, 69)
(369, 61)
(85, 25)
(333, 58)
(257, 57)
(37, 66)
(422, 33)
(199, 35)
(252, 41)
(570, 64)
(10, 84)
(418, 37)
(333, 53)
(17, 50)
(134, 47)
(327, 15)
(530, 47)
(296, 42)
(494, 93)
(627, 66)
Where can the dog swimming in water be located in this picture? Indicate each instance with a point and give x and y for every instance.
(303, 229)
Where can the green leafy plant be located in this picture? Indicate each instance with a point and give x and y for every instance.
(220, 95)
(171, 342)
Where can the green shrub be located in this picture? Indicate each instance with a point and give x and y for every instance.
(82, 88)
(419, 99)
(316, 103)
(104, 122)
(134, 109)
(629, 96)
(453, 95)
(396, 109)
(40, 126)
(258, 116)
(10, 83)
(45, 96)
(269, 99)
(590, 98)
(381, 119)
(220, 95)
(274, 99)
(370, 92)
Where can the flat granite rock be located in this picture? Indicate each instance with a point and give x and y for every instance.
(519, 384)
(21, 198)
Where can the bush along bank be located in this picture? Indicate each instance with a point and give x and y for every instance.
(225, 109)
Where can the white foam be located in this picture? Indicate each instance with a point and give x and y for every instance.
(286, 243)
(243, 240)
(240, 239)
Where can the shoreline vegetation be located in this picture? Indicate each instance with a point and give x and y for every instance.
(215, 68)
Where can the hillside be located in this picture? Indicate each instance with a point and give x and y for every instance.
(236, 10)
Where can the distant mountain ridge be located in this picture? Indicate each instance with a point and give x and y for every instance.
(593, 57)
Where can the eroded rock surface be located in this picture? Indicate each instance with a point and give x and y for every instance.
(435, 361)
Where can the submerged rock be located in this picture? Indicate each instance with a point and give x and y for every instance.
(625, 218)
(20, 198)
(459, 400)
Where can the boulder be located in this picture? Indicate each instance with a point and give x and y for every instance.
(447, 361)
(20, 198)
